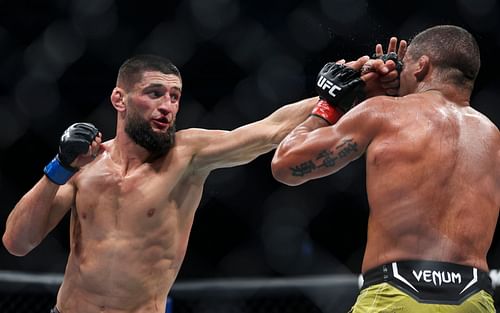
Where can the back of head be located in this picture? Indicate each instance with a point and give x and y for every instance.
(132, 69)
(452, 50)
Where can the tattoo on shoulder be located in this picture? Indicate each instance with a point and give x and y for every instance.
(326, 158)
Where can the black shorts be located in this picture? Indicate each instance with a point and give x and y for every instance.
(430, 281)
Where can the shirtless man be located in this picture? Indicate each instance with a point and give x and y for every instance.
(133, 198)
(433, 177)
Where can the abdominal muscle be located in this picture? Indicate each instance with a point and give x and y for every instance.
(122, 270)
(129, 234)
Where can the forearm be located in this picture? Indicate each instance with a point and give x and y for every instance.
(288, 117)
(41, 208)
(293, 151)
(28, 223)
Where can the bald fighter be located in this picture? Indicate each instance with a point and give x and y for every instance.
(433, 176)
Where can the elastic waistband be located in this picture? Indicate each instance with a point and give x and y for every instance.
(54, 310)
(431, 281)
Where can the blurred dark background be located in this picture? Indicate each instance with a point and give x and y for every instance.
(240, 60)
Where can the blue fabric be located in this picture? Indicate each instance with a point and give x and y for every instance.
(58, 173)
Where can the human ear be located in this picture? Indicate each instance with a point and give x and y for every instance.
(118, 99)
(423, 68)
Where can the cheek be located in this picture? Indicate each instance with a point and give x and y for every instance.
(404, 83)
(175, 108)
(404, 77)
(142, 105)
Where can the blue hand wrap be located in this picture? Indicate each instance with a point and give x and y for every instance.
(58, 173)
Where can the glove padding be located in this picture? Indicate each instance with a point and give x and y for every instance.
(390, 56)
(75, 141)
(339, 85)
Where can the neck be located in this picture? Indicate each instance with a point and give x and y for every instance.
(430, 89)
(430, 85)
(460, 96)
(126, 153)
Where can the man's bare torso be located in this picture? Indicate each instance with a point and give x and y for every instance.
(431, 180)
(129, 233)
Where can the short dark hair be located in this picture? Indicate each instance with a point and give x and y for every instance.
(451, 49)
(132, 69)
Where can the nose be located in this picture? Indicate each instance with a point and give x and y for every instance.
(163, 109)
(166, 106)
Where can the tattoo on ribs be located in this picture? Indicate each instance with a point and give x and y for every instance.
(326, 158)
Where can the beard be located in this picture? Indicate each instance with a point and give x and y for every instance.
(140, 131)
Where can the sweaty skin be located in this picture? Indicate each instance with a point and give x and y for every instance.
(131, 216)
(432, 189)
(131, 213)
(433, 174)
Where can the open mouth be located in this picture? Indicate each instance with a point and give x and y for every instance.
(161, 122)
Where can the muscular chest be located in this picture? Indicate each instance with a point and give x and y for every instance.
(108, 199)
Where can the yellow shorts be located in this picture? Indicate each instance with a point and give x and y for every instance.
(384, 298)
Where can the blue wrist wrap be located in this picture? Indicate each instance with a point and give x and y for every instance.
(58, 173)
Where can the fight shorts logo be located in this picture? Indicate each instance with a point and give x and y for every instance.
(431, 282)
(435, 277)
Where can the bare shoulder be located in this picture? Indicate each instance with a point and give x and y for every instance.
(485, 119)
(374, 111)
(194, 140)
(379, 104)
(197, 136)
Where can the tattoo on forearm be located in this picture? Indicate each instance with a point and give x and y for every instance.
(326, 158)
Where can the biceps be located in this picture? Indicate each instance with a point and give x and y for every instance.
(227, 149)
(63, 201)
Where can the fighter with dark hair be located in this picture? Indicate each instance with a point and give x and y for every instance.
(133, 198)
(432, 176)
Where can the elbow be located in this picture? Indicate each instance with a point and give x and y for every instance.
(14, 248)
(282, 173)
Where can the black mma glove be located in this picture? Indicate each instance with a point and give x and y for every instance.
(75, 141)
(390, 56)
(338, 87)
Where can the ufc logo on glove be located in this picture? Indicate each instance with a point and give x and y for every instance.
(324, 83)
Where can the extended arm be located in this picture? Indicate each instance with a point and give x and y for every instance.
(219, 149)
(231, 148)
